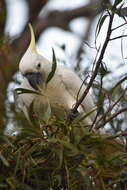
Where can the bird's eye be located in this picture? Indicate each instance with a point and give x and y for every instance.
(38, 65)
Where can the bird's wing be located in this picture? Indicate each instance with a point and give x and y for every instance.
(75, 87)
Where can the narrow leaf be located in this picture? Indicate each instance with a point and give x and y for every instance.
(123, 11)
(54, 66)
(32, 115)
(23, 90)
(85, 115)
(17, 162)
(47, 114)
(3, 159)
(117, 2)
(99, 25)
(118, 84)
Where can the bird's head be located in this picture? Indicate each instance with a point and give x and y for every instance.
(32, 65)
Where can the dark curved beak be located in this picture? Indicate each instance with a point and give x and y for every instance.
(35, 79)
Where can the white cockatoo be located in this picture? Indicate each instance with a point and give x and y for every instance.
(61, 91)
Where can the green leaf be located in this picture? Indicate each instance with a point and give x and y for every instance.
(117, 156)
(3, 186)
(123, 11)
(54, 66)
(56, 180)
(59, 153)
(23, 186)
(118, 2)
(23, 90)
(103, 70)
(32, 115)
(47, 114)
(99, 25)
(84, 115)
(3, 159)
(72, 150)
(11, 181)
(17, 162)
(118, 84)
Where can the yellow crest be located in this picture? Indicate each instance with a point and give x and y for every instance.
(32, 45)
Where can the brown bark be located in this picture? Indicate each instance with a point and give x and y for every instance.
(2, 60)
(2, 17)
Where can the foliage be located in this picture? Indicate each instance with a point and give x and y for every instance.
(54, 65)
(60, 156)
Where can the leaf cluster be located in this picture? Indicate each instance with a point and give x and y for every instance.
(60, 156)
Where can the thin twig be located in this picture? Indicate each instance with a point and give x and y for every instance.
(95, 60)
(121, 134)
(83, 82)
(122, 36)
(119, 26)
(112, 117)
(111, 107)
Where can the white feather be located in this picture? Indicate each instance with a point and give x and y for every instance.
(61, 92)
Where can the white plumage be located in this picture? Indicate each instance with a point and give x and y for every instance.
(61, 91)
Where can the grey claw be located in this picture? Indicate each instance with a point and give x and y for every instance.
(72, 115)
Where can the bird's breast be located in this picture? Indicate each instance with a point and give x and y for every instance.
(59, 95)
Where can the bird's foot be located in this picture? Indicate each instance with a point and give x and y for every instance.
(72, 115)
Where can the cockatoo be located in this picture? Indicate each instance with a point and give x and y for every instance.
(61, 91)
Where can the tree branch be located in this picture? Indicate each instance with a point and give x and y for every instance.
(59, 19)
(34, 9)
(84, 39)
(98, 63)
(111, 117)
(118, 37)
(111, 107)
(2, 17)
(119, 26)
